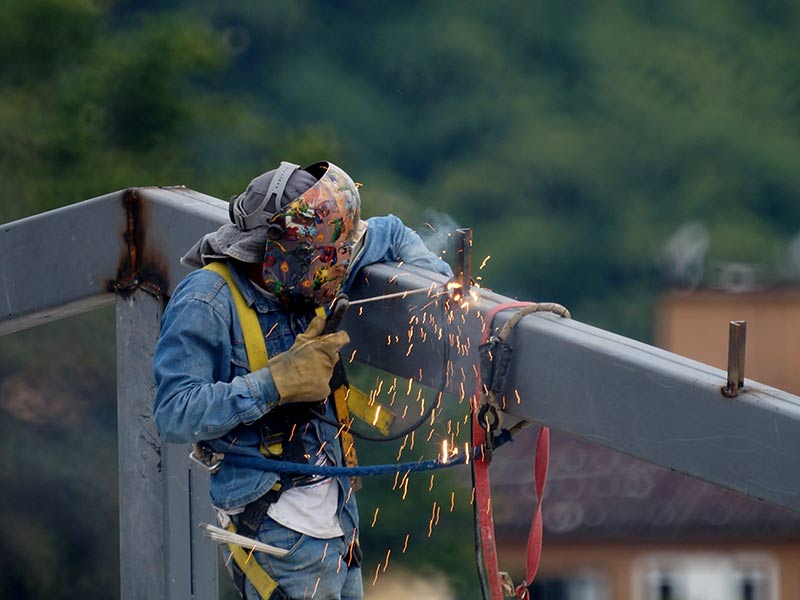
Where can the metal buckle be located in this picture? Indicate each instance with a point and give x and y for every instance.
(509, 590)
(206, 459)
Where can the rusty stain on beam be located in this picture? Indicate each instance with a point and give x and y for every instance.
(140, 267)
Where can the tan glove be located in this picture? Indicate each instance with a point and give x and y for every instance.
(302, 373)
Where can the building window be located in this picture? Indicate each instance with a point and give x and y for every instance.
(584, 586)
(705, 577)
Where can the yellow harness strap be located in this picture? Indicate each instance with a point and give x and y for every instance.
(257, 357)
(254, 342)
(343, 415)
(370, 411)
(253, 571)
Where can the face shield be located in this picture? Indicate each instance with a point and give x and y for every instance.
(314, 239)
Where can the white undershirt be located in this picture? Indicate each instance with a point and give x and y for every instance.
(310, 509)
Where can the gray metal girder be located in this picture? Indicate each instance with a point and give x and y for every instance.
(602, 387)
(75, 258)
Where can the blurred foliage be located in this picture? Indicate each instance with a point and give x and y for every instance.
(575, 137)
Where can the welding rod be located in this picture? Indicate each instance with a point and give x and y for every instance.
(394, 295)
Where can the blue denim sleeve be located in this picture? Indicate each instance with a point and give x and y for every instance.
(197, 397)
(389, 240)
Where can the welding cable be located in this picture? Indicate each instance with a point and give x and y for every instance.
(285, 467)
(426, 415)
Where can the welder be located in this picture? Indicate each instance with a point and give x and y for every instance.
(243, 366)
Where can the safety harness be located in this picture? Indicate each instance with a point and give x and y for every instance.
(277, 442)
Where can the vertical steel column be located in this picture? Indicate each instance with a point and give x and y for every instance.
(161, 502)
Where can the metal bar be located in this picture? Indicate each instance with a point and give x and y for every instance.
(463, 252)
(162, 551)
(96, 248)
(737, 332)
(58, 263)
(144, 556)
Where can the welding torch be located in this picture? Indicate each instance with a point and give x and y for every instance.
(342, 303)
(338, 309)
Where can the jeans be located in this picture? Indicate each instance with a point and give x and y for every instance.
(314, 569)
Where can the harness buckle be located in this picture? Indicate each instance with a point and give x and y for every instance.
(509, 591)
(205, 458)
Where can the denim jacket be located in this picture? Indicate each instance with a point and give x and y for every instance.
(205, 390)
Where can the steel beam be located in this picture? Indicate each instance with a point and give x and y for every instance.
(601, 387)
(161, 501)
(75, 258)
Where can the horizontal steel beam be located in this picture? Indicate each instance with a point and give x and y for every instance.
(598, 386)
(76, 258)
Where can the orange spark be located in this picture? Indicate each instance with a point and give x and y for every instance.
(433, 516)
(386, 564)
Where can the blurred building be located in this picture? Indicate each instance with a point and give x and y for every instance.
(617, 528)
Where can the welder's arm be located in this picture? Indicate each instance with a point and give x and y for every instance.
(389, 240)
(196, 398)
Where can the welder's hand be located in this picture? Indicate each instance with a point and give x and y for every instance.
(302, 373)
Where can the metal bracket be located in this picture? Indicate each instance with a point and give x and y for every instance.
(495, 357)
(463, 247)
(737, 338)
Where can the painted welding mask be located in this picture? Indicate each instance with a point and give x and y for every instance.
(312, 242)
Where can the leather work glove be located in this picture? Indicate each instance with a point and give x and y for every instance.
(302, 373)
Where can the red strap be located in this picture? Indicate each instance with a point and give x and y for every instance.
(483, 499)
(535, 535)
(483, 492)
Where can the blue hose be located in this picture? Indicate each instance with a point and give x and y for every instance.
(292, 468)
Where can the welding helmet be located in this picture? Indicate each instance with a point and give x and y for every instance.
(312, 241)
